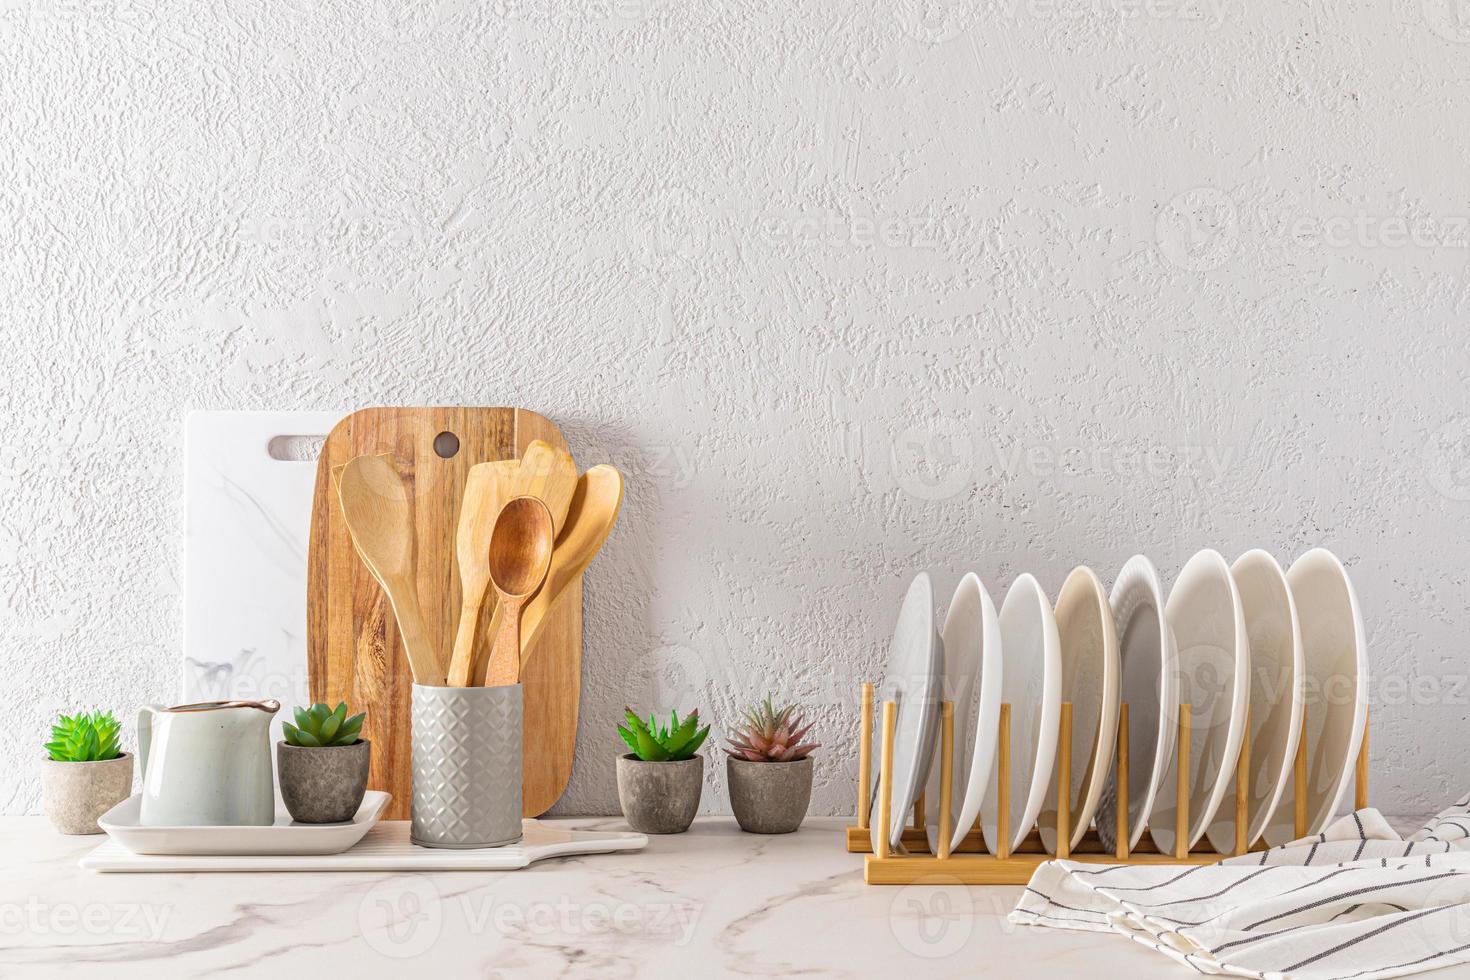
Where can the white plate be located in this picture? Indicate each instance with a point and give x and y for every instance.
(1031, 683)
(1090, 681)
(1150, 688)
(915, 670)
(386, 848)
(285, 836)
(1214, 678)
(972, 680)
(1335, 687)
(1275, 694)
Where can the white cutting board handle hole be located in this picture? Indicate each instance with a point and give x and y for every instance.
(296, 449)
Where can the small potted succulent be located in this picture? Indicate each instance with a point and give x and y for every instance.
(660, 780)
(323, 764)
(84, 774)
(770, 770)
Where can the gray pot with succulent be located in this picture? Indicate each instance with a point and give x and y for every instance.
(84, 773)
(660, 781)
(323, 765)
(770, 770)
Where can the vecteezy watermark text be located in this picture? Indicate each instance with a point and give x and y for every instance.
(75, 11)
(131, 920)
(1201, 229)
(566, 918)
(404, 916)
(836, 229)
(1209, 13)
(942, 457)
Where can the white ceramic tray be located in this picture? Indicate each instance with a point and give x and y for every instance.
(385, 848)
(284, 837)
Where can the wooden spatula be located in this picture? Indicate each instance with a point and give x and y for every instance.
(520, 555)
(487, 487)
(548, 473)
(379, 516)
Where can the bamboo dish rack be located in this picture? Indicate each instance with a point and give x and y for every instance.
(973, 864)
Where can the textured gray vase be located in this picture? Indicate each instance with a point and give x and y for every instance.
(769, 797)
(466, 766)
(75, 794)
(660, 797)
(323, 784)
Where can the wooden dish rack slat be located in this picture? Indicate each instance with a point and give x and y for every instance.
(973, 864)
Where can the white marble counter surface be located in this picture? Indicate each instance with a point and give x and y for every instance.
(714, 901)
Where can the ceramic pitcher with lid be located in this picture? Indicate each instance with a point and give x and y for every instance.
(207, 765)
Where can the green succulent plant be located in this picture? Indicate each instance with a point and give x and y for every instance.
(84, 737)
(320, 726)
(674, 743)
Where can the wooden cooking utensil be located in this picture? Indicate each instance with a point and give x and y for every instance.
(590, 519)
(354, 651)
(486, 489)
(336, 499)
(545, 471)
(520, 555)
(548, 473)
(379, 515)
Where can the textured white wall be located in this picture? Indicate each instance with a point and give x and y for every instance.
(848, 289)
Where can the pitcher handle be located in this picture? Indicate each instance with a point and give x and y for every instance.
(145, 736)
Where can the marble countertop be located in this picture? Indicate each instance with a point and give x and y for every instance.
(714, 901)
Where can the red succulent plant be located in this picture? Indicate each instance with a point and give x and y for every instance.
(768, 735)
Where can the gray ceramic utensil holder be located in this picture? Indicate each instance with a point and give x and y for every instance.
(466, 766)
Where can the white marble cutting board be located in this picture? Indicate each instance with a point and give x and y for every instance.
(385, 848)
(247, 523)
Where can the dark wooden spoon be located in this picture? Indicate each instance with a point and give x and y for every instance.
(520, 555)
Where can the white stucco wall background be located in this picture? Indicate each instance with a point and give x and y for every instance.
(848, 289)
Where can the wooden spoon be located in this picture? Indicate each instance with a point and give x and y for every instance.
(379, 517)
(520, 555)
(590, 519)
(487, 487)
(543, 471)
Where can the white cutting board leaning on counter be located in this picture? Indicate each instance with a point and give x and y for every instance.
(247, 524)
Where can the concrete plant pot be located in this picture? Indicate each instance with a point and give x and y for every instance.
(769, 797)
(75, 794)
(323, 784)
(660, 797)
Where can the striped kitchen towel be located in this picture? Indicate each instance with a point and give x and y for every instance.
(1355, 901)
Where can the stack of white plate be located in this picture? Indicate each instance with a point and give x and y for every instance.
(1246, 645)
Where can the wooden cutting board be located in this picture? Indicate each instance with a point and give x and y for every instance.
(353, 649)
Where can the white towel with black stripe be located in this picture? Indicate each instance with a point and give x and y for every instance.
(1356, 901)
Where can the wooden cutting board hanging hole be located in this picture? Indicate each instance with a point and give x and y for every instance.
(353, 649)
